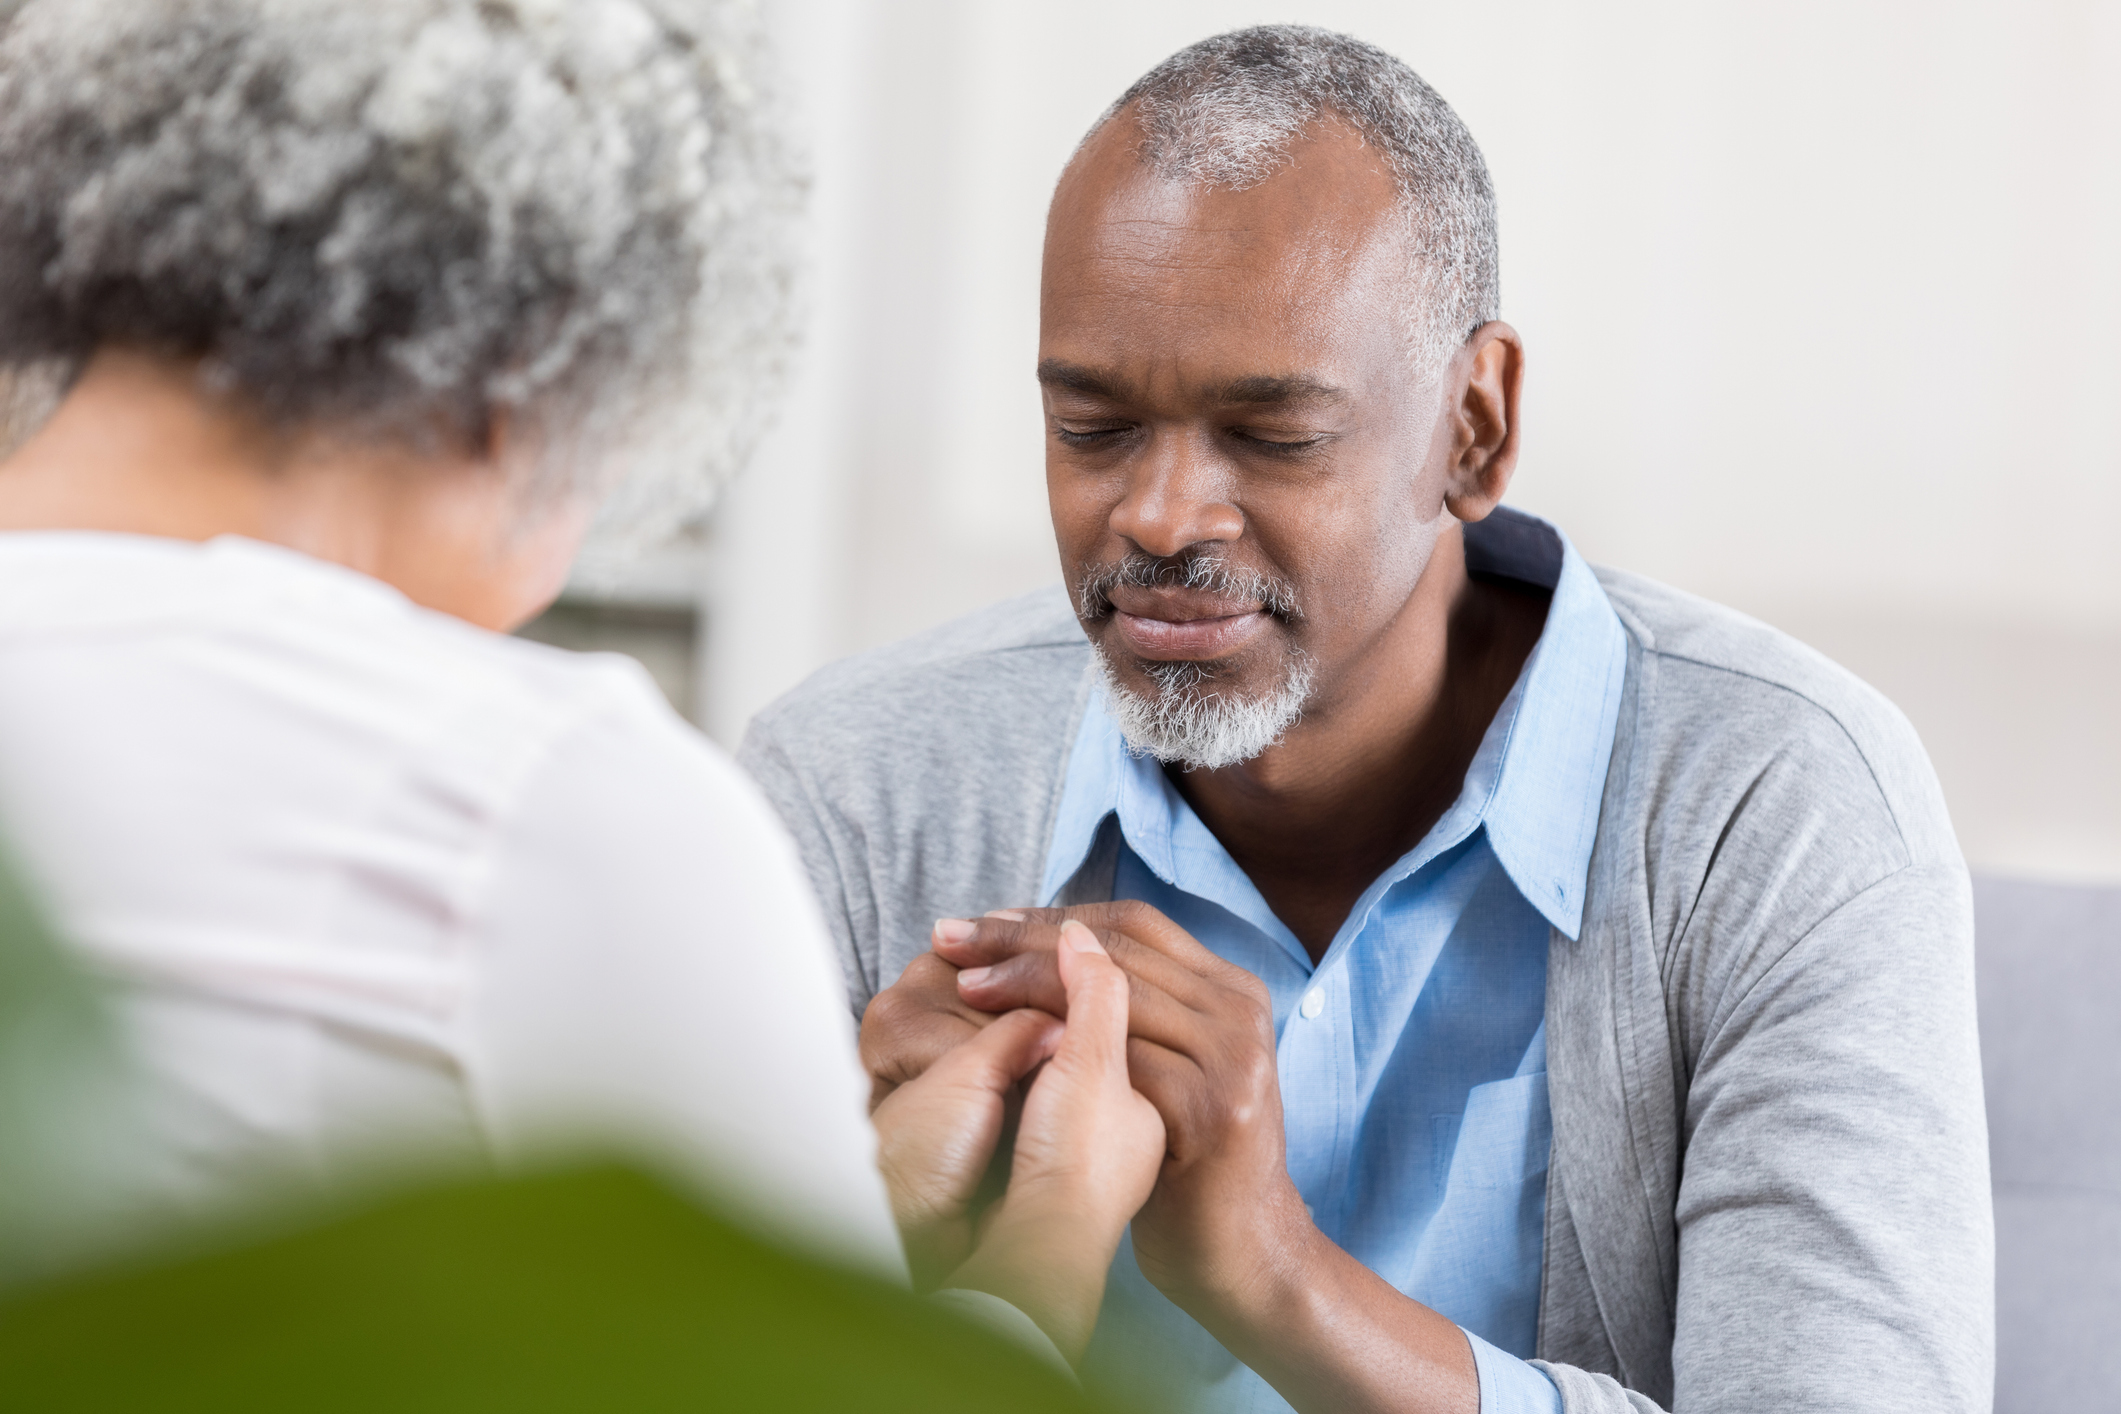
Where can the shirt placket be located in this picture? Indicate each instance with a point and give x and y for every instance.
(1316, 1059)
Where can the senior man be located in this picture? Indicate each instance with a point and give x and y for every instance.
(1528, 961)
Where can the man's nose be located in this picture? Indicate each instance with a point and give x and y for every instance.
(1177, 496)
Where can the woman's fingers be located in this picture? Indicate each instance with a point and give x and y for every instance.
(1096, 1036)
(936, 1134)
(998, 1057)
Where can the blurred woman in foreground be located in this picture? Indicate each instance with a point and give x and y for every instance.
(363, 311)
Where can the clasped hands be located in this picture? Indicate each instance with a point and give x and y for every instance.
(1158, 1103)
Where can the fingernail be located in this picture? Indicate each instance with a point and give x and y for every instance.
(1078, 938)
(973, 976)
(953, 930)
(1009, 913)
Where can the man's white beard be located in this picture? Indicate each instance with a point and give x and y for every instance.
(1192, 724)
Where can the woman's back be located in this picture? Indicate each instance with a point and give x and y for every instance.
(369, 874)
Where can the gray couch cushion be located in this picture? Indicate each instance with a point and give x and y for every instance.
(2049, 966)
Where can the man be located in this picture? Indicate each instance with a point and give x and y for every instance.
(1526, 961)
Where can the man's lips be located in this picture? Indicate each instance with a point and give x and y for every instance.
(1185, 626)
(1189, 640)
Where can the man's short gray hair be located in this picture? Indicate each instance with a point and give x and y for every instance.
(406, 218)
(1224, 112)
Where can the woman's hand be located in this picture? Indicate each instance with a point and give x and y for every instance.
(936, 1136)
(1087, 1154)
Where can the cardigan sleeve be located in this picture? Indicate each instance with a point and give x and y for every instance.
(1835, 1239)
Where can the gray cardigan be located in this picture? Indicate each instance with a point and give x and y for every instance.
(1769, 1187)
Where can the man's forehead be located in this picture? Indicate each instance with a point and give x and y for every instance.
(1270, 294)
(1330, 199)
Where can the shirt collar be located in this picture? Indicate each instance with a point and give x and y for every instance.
(1542, 818)
(1536, 782)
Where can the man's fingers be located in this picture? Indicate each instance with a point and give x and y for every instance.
(914, 1023)
(1030, 979)
(1001, 1055)
(977, 942)
(1035, 980)
(899, 1041)
(929, 983)
(993, 942)
(1178, 1088)
(1148, 927)
(1139, 922)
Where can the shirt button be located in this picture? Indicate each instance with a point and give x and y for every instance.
(1314, 1003)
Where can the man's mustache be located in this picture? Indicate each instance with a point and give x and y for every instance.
(1207, 572)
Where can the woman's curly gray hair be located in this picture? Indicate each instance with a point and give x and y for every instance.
(407, 218)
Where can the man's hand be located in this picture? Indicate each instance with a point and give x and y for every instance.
(1225, 1221)
(1225, 1234)
(914, 1023)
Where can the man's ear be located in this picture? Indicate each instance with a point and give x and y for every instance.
(1489, 372)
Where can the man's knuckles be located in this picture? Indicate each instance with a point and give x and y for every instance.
(898, 1010)
(927, 976)
(1252, 1072)
(1145, 928)
(1128, 915)
(904, 1031)
(1245, 1006)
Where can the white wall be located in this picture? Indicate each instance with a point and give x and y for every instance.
(1822, 303)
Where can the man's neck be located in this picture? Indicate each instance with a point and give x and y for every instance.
(1360, 780)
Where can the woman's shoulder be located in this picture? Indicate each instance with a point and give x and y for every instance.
(290, 689)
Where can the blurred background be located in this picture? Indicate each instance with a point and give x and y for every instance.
(1822, 303)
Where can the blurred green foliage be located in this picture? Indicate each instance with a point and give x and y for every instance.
(49, 1025)
(62, 1087)
(587, 1290)
(595, 1288)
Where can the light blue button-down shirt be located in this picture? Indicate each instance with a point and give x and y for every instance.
(1412, 1057)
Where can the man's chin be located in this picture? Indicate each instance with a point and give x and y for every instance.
(1201, 715)
(1162, 677)
(1240, 674)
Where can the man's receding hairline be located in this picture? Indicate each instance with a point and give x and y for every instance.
(1139, 163)
(1380, 223)
(1327, 117)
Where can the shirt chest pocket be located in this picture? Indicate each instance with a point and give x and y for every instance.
(1503, 1138)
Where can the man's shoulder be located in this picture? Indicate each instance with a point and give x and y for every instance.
(921, 780)
(1738, 667)
(999, 685)
(1677, 625)
(1784, 727)
(976, 665)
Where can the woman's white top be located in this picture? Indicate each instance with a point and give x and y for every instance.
(372, 877)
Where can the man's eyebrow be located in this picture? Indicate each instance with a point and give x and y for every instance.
(1053, 373)
(1287, 388)
(1257, 390)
